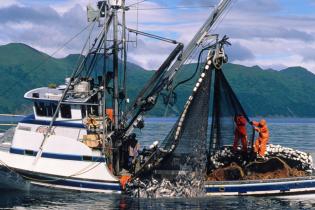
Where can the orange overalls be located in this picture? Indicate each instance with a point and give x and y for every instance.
(240, 133)
(262, 140)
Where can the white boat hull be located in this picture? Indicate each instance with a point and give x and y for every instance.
(89, 176)
(25, 181)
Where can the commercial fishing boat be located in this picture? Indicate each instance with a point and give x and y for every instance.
(79, 134)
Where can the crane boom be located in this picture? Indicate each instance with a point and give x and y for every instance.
(174, 67)
(216, 13)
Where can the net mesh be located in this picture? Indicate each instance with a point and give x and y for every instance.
(189, 134)
(187, 141)
(226, 107)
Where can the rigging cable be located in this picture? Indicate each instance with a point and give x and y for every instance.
(171, 92)
(137, 3)
(223, 16)
(82, 65)
(124, 58)
(137, 25)
(177, 7)
(199, 57)
(80, 172)
(195, 72)
(160, 86)
(35, 68)
(167, 97)
(95, 56)
(65, 44)
(58, 107)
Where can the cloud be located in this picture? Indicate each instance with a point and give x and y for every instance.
(237, 52)
(43, 27)
(257, 6)
(308, 54)
(265, 33)
(277, 38)
(6, 3)
(150, 55)
(25, 14)
(65, 5)
(198, 3)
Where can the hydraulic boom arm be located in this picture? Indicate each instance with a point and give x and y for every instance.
(169, 75)
(203, 31)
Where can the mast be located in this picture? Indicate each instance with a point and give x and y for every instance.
(124, 52)
(104, 82)
(115, 68)
(116, 5)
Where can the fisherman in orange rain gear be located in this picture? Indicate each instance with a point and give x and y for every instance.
(124, 180)
(240, 133)
(263, 138)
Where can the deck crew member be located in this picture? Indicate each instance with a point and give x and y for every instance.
(263, 138)
(240, 133)
(133, 150)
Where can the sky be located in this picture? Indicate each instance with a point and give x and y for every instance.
(269, 33)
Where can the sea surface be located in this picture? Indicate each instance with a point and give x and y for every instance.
(295, 133)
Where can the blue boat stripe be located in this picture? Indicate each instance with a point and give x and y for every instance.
(31, 120)
(66, 182)
(282, 186)
(57, 156)
(89, 185)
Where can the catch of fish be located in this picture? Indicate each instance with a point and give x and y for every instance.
(185, 184)
(191, 184)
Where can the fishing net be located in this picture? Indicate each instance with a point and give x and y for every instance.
(226, 109)
(189, 134)
(188, 137)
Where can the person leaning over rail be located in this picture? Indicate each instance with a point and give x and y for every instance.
(263, 138)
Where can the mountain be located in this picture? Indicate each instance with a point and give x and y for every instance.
(290, 92)
(286, 93)
(20, 71)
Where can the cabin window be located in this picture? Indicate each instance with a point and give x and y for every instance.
(45, 109)
(92, 110)
(89, 111)
(65, 111)
(83, 111)
(39, 108)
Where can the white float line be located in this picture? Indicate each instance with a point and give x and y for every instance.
(190, 99)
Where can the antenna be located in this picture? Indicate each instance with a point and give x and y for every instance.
(92, 14)
(137, 27)
(115, 3)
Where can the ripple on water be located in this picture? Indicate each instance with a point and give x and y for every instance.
(295, 133)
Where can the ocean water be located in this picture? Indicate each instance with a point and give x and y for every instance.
(295, 133)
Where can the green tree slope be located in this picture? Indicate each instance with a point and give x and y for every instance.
(287, 93)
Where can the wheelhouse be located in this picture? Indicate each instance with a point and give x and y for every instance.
(78, 103)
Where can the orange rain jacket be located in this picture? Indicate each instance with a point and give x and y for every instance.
(240, 133)
(263, 138)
